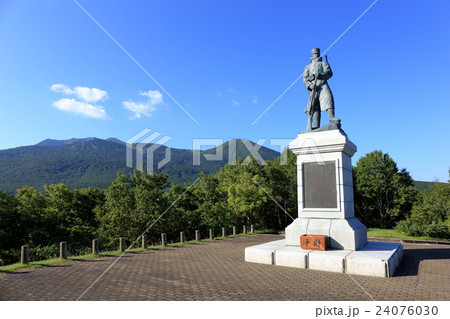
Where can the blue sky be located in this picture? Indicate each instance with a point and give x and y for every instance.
(225, 62)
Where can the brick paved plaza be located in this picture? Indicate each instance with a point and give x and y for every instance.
(217, 271)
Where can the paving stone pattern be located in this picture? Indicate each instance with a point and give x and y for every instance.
(217, 271)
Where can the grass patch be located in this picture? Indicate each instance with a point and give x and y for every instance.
(33, 264)
(393, 233)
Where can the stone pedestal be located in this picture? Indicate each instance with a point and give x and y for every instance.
(325, 190)
(325, 207)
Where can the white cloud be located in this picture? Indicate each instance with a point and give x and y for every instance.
(61, 88)
(90, 95)
(154, 97)
(138, 109)
(81, 108)
(234, 102)
(146, 108)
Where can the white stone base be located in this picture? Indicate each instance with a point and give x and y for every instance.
(264, 253)
(328, 260)
(377, 259)
(343, 233)
(290, 256)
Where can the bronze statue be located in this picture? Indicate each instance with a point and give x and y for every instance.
(315, 79)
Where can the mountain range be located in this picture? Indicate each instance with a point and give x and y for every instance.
(85, 162)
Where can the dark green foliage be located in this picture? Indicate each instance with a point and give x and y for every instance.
(433, 206)
(211, 201)
(180, 215)
(9, 256)
(436, 230)
(281, 178)
(11, 222)
(43, 219)
(383, 194)
(44, 252)
(430, 213)
(11, 229)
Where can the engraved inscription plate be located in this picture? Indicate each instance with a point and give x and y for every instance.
(319, 185)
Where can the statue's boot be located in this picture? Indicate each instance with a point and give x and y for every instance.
(331, 116)
(316, 119)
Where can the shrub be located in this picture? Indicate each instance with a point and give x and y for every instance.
(435, 230)
(409, 228)
(9, 256)
(44, 252)
(439, 230)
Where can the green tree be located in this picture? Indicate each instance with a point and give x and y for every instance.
(430, 214)
(69, 215)
(246, 199)
(183, 214)
(87, 199)
(212, 205)
(12, 232)
(383, 194)
(31, 206)
(132, 205)
(151, 202)
(433, 206)
(115, 216)
(281, 177)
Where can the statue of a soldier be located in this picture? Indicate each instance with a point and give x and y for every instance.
(315, 79)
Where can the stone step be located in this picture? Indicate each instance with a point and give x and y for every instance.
(379, 259)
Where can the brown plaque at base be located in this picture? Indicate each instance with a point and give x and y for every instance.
(315, 242)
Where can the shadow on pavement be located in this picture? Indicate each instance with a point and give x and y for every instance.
(410, 264)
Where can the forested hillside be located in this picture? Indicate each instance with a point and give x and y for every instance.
(93, 162)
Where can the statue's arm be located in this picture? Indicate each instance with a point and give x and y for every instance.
(308, 79)
(306, 82)
(326, 71)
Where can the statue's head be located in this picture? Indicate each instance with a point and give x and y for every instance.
(315, 55)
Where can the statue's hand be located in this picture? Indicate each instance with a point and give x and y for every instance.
(311, 77)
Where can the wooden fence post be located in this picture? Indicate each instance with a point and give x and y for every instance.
(122, 244)
(163, 239)
(95, 246)
(197, 235)
(234, 230)
(211, 233)
(182, 237)
(252, 228)
(24, 254)
(224, 232)
(244, 229)
(144, 242)
(63, 250)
